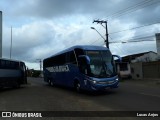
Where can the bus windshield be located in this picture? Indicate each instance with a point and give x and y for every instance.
(101, 64)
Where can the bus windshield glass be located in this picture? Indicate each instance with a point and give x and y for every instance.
(102, 64)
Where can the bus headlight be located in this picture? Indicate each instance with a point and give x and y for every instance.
(117, 79)
(93, 81)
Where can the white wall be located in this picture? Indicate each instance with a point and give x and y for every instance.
(136, 70)
(148, 57)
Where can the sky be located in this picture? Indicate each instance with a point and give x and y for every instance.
(41, 28)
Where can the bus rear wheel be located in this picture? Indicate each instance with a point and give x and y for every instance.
(51, 82)
(17, 84)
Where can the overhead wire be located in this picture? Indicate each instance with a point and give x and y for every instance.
(145, 4)
(135, 28)
(135, 7)
(135, 39)
(129, 8)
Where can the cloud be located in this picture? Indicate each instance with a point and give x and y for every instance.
(44, 27)
(59, 8)
(27, 38)
(48, 9)
(42, 39)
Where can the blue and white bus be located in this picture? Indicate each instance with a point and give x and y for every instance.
(12, 73)
(89, 68)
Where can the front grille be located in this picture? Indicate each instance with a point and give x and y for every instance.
(106, 82)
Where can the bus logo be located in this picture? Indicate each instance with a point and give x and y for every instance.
(64, 68)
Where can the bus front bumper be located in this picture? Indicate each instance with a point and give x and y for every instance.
(103, 85)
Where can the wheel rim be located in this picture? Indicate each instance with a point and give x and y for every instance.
(52, 83)
(49, 81)
(78, 87)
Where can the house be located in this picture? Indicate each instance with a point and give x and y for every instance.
(143, 57)
(143, 65)
(132, 64)
(146, 57)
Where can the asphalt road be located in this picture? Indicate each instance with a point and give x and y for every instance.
(39, 96)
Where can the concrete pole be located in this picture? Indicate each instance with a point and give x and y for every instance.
(0, 34)
(158, 43)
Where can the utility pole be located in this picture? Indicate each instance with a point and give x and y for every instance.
(0, 34)
(105, 22)
(11, 45)
(40, 63)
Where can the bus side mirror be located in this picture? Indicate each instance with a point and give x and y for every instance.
(83, 59)
(84, 63)
(117, 58)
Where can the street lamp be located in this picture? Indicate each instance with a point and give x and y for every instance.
(98, 33)
(103, 22)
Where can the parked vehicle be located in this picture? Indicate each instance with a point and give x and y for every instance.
(12, 73)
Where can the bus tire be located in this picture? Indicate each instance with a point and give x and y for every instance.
(78, 86)
(17, 84)
(51, 82)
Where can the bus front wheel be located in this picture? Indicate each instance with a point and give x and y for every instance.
(78, 87)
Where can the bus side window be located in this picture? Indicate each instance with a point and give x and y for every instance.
(3, 63)
(8, 64)
(60, 59)
(16, 65)
(67, 57)
(79, 52)
(72, 57)
(13, 66)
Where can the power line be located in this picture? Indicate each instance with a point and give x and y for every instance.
(130, 29)
(129, 8)
(119, 49)
(92, 43)
(135, 27)
(134, 39)
(133, 10)
(140, 39)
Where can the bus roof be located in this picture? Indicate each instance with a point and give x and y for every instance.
(10, 60)
(83, 47)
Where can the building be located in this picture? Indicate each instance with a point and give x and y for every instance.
(140, 57)
(133, 64)
(145, 57)
(124, 70)
(142, 65)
